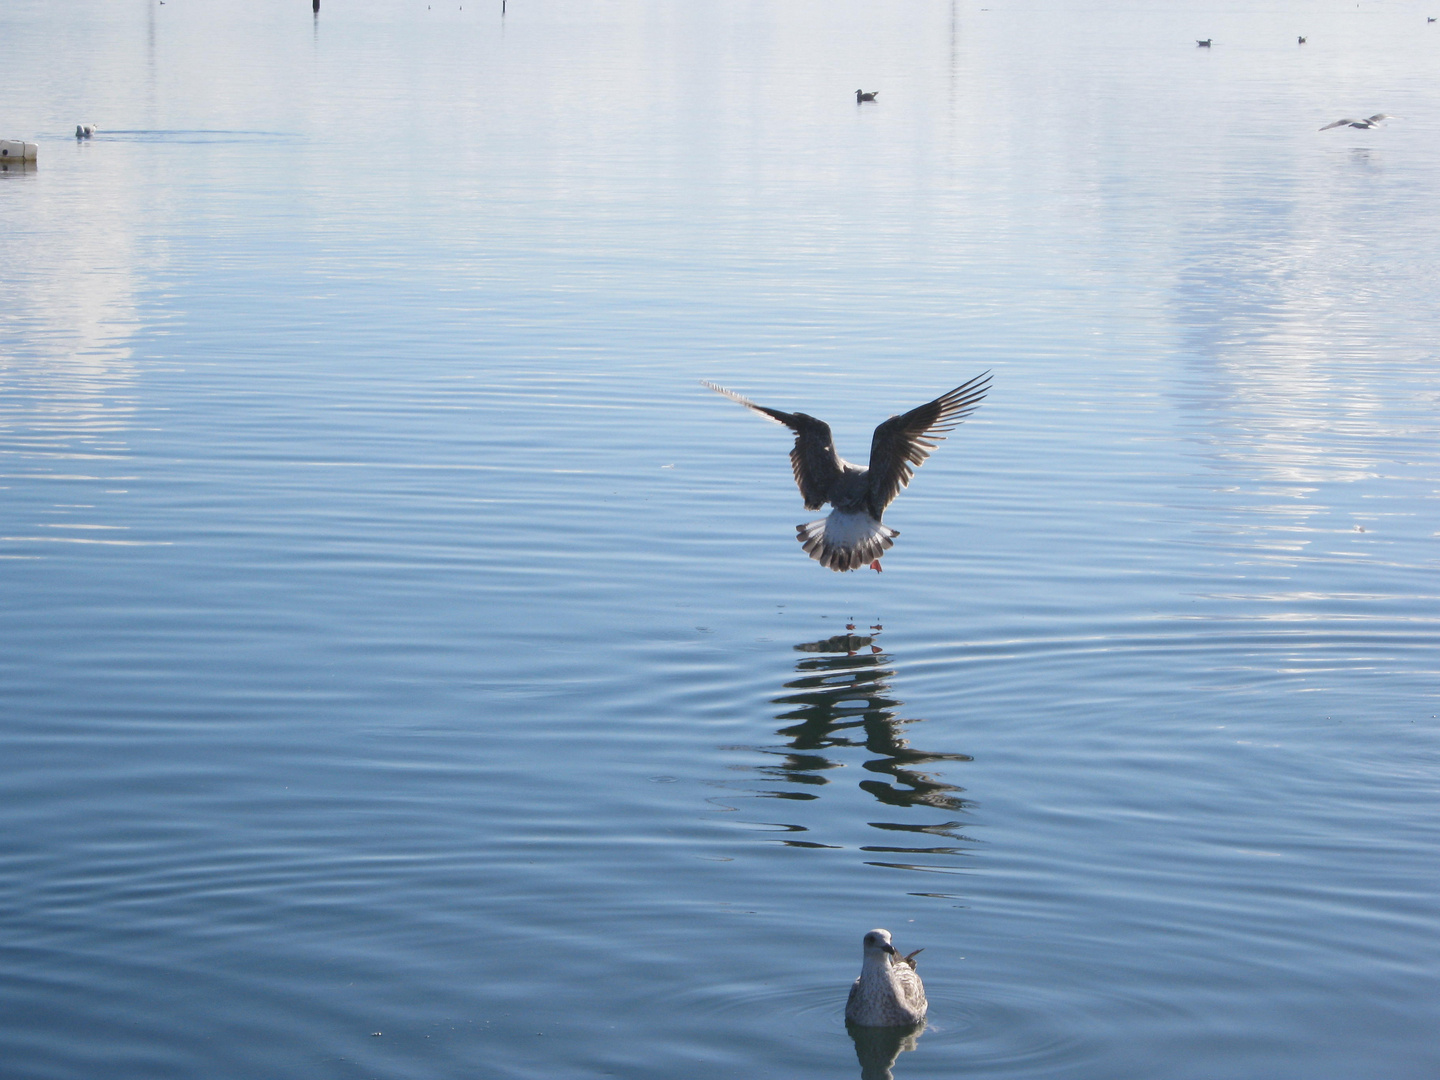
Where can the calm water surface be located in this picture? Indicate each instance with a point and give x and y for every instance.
(410, 671)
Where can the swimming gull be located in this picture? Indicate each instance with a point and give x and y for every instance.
(865, 95)
(888, 992)
(1368, 122)
(852, 535)
(84, 131)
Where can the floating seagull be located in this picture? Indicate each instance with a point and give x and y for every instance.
(865, 95)
(852, 535)
(888, 992)
(1203, 44)
(1368, 122)
(84, 131)
(1301, 40)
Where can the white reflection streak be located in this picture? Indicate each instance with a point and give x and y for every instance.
(65, 358)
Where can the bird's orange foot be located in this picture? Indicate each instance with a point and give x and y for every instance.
(875, 566)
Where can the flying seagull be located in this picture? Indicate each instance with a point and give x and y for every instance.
(865, 95)
(852, 535)
(888, 992)
(1368, 122)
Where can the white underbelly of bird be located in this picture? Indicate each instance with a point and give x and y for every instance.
(846, 540)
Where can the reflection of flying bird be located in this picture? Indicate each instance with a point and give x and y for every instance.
(852, 535)
(1368, 122)
(888, 992)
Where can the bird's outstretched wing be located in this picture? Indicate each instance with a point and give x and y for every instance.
(813, 458)
(903, 442)
(1339, 123)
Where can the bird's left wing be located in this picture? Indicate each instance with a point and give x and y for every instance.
(812, 459)
(903, 442)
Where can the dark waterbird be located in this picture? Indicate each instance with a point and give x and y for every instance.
(865, 95)
(853, 535)
(1203, 44)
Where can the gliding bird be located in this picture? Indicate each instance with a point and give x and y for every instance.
(1368, 122)
(853, 534)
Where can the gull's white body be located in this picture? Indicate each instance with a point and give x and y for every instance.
(888, 992)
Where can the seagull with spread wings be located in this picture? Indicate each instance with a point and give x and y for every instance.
(1368, 122)
(853, 534)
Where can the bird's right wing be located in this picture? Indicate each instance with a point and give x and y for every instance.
(812, 459)
(1338, 123)
(903, 442)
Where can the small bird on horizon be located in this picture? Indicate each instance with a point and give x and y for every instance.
(853, 535)
(1203, 44)
(888, 992)
(1368, 122)
(865, 95)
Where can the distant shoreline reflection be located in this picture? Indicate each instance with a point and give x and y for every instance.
(842, 701)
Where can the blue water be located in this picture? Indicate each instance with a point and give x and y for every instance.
(409, 670)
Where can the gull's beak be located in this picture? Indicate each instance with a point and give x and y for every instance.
(888, 948)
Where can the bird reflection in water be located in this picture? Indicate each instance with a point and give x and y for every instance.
(877, 1048)
(841, 701)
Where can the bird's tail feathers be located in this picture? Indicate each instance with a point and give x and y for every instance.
(845, 541)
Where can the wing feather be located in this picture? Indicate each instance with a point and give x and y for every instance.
(812, 459)
(902, 443)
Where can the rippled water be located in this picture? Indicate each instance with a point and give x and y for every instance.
(409, 669)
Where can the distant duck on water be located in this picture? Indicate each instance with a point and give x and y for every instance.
(865, 95)
(85, 131)
(888, 992)
(1203, 44)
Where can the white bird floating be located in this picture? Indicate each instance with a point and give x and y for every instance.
(888, 992)
(1368, 122)
(853, 535)
(85, 131)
